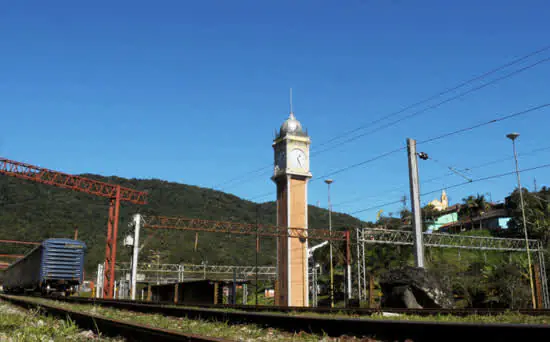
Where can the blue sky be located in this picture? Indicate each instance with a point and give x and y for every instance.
(191, 91)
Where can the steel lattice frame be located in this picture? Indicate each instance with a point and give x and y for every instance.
(197, 268)
(63, 180)
(183, 223)
(403, 237)
(178, 272)
(115, 194)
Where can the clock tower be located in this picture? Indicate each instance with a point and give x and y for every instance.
(291, 175)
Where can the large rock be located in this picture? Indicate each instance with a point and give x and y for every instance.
(412, 287)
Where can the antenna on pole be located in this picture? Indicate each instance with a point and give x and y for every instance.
(291, 101)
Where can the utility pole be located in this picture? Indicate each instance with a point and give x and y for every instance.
(329, 181)
(348, 266)
(257, 249)
(137, 225)
(415, 203)
(359, 294)
(513, 136)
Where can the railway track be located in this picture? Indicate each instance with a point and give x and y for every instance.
(110, 327)
(354, 311)
(380, 329)
(368, 312)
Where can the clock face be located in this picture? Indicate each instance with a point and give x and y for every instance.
(298, 159)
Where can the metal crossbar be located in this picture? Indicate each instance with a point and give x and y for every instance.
(67, 181)
(438, 240)
(405, 237)
(183, 223)
(198, 268)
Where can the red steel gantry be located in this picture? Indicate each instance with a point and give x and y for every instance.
(115, 194)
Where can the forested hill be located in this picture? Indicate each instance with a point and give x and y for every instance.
(33, 212)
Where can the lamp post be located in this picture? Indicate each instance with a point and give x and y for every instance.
(513, 136)
(329, 181)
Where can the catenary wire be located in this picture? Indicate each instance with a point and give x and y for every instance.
(439, 137)
(482, 76)
(411, 115)
(448, 90)
(402, 186)
(455, 186)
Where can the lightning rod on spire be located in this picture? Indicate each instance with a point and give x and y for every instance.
(291, 100)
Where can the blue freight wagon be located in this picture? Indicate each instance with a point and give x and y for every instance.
(55, 266)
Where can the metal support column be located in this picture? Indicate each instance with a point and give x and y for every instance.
(348, 263)
(110, 248)
(99, 281)
(234, 288)
(137, 225)
(543, 278)
(363, 262)
(415, 203)
(314, 286)
(245, 294)
(359, 293)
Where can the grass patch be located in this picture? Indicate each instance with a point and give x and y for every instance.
(239, 332)
(17, 324)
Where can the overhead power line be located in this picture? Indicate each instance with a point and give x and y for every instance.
(453, 170)
(439, 137)
(485, 123)
(444, 92)
(404, 187)
(455, 186)
(395, 122)
(246, 176)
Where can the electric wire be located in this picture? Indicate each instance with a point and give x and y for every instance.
(454, 186)
(434, 106)
(244, 177)
(485, 123)
(402, 187)
(346, 168)
(448, 90)
(439, 137)
(450, 168)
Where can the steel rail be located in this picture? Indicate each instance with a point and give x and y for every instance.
(110, 327)
(346, 311)
(361, 327)
(367, 311)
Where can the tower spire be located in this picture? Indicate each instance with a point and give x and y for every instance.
(291, 112)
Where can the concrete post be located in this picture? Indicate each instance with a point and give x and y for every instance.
(415, 203)
(137, 225)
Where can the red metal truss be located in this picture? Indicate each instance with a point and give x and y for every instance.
(63, 180)
(115, 194)
(20, 242)
(182, 223)
(15, 256)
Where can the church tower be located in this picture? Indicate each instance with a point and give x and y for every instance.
(291, 175)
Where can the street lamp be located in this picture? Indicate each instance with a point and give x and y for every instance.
(329, 181)
(513, 136)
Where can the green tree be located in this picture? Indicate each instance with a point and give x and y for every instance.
(537, 214)
(473, 206)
